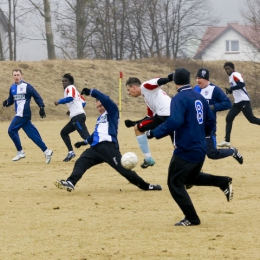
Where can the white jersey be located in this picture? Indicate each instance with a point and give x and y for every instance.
(76, 105)
(239, 94)
(157, 101)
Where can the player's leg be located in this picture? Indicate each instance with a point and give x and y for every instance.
(80, 125)
(177, 174)
(88, 159)
(34, 135)
(205, 179)
(215, 154)
(140, 129)
(111, 155)
(13, 129)
(64, 133)
(248, 113)
(232, 113)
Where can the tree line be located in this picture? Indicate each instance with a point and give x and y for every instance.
(110, 29)
(114, 29)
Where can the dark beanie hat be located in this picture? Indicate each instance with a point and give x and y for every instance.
(181, 76)
(203, 73)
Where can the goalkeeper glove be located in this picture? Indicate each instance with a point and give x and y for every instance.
(85, 91)
(229, 90)
(129, 123)
(170, 77)
(42, 112)
(5, 103)
(79, 144)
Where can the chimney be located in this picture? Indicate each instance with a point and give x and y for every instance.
(232, 23)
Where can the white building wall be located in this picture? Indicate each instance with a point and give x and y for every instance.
(217, 51)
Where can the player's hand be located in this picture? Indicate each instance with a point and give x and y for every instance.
(56, 103)
(5, 103)
(149, 134)
(42, 112)
(229, 90)
(68, 113)
(170, 77)
(129, 123)
(79, 144)
(85, 91)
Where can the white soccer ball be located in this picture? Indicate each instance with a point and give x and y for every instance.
(129, 160)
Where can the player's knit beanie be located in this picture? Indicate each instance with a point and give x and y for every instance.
(181, 76)
(203, 73)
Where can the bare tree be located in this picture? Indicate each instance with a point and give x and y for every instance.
(1, 49)
(45, 11)
(251, 14)
(10, 38)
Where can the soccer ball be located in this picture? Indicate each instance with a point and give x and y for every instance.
(129, 160)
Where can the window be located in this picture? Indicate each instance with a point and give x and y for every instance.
(232, 46)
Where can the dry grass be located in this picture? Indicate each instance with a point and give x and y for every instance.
(46, 76)
(106, 218)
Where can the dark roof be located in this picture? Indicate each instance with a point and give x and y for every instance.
(213, 33)
(4, 20)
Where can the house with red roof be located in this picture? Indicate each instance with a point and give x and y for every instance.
(233, 42)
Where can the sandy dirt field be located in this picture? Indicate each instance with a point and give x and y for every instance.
(105, 217)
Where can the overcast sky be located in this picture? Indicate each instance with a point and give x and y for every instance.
(225, 10)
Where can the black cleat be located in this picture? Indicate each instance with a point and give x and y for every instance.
(155, 187)
(228, 190)
(237, 155)
(186, 223)
(65, 185)
(69, 157)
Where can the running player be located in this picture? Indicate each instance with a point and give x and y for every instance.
(241, 101)
(76, 104)
(158, 110)
(20, 95)
(104, 146)
(217, 101)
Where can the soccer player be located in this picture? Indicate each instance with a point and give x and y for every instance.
(241, 101)
(192, 120)
(104, 146)
(217, 101)
(76, 104)
(158, 110)
(20, 95)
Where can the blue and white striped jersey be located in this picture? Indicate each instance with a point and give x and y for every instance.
(20, 95)
(106, 128)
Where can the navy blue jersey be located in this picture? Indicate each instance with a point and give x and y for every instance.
(192, 120)
(20, 95)
(216, 97)
(106, 128)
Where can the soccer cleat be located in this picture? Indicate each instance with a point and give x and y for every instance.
(69, 156)
(65, 185)
(48, 156)
(237, 155)
(20, 155)
(185, 222)
(228, 190)
(155, 187)
(149, 161)
(224, 144)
